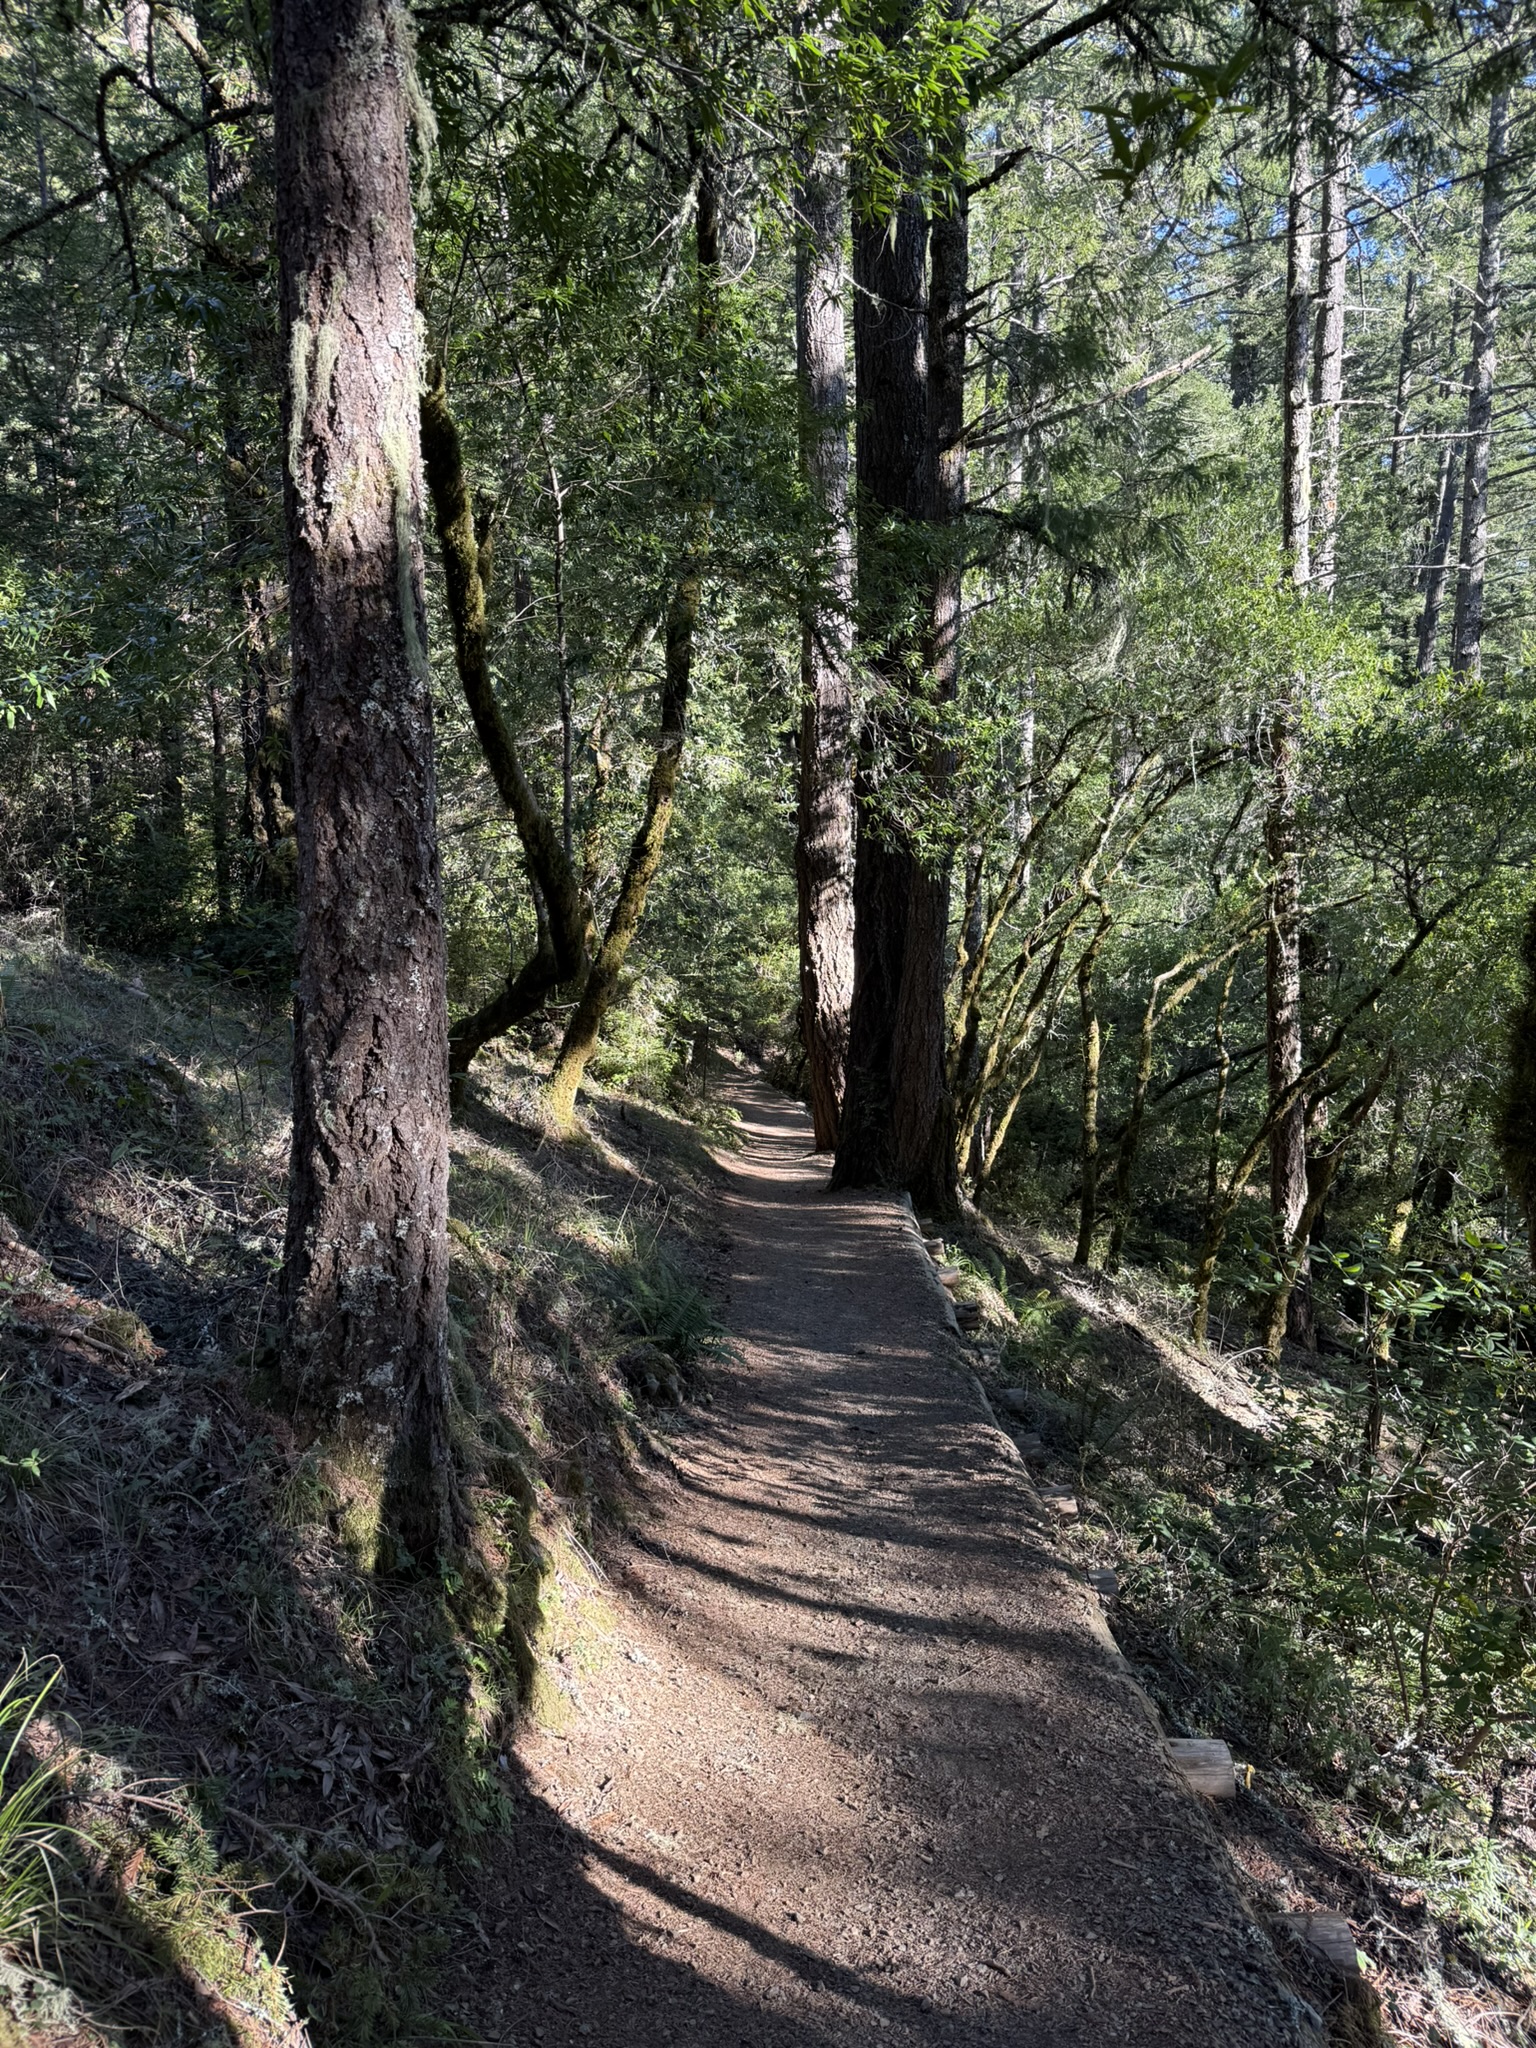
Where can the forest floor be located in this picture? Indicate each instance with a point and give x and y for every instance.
(800, 1725)
(848, 1757)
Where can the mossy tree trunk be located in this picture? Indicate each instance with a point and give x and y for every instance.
(560, 908)
(602, 982)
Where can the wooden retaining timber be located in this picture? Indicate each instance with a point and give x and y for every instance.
(1328, 1933)
(1205, 1766)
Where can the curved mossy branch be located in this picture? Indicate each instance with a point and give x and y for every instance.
(558, 955)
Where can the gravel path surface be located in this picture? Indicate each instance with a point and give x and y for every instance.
(854, 1764)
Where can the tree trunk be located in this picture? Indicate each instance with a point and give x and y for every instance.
(602, 982)
(266, 812)
(1219, 1105)
(929, 1151)
(1437, 567)
(366, 1261)
(560, 908)
(1292, 1257)
(1472, 566)
(892, 454)
(824, 841)
(1333, 269)
(898, 1112)
(218, 808)
(1287, 1145)
(1296, 457)
(966, 1062)
(1088, 1208)
(1404, 373)
(1288, 1140)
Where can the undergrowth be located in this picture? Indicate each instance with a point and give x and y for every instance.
(1331, 1567)
(266, 1769)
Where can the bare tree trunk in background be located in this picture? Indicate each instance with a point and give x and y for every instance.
(1404, 372)
(366, 1262)
(824, 840)
(218, 820)
(1288, 1144)
(602, 983)
(1332, 282)
(1219, 1104)
(1436, 569)
(1088, 1208)
(1300, 267)
(1472, 566)
(266, 810)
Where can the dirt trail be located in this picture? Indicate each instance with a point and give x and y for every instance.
(855, 1766)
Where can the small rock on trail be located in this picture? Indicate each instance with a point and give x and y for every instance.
(854, 1763)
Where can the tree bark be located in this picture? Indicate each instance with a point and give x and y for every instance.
(1088, 1207)
(824, 839)
(1333, 268)
(1404, 373)
(1322, 1172)
(890, 340)
(1287, 1145)
(1437, 568)
(218, 805)
(366, 1261)
(560, 906)
(930, 1153)
(898, 1112)
(266, 810)
(1296, 458)
(1288, 1140)
(1472, 566)
(602, 982)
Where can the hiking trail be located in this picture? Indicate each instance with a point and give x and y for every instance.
(854, 1763)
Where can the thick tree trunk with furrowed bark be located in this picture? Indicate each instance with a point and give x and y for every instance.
(824, 841)
(366, 1261)
(909, 349)
(890, 358)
